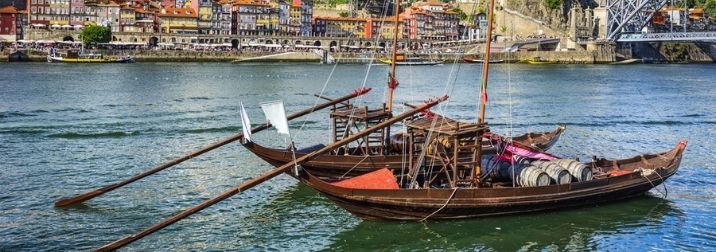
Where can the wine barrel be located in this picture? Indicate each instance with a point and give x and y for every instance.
(579, 171)
(558, 174)
(499, 168)
(530, 176)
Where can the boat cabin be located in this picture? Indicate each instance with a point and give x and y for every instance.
(448, 145)
(347, 119)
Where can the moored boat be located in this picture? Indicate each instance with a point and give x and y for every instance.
(473, 60)
(401, 59)
(614, 180)
(540, 61)
(79, 57)
(343, 164)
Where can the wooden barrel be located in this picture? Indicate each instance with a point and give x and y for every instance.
(579, 171)
(530, 176)
(499, 168)
(558, 174)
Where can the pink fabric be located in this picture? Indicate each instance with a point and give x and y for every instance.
(528, 153)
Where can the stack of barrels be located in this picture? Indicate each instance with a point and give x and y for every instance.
(528, 173)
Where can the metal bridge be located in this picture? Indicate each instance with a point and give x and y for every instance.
(675, 36)
(627, 18)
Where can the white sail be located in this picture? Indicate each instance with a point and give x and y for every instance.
(245, 124)
(276, 116)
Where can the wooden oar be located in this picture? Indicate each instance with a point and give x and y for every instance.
(91, 194)
(263, 177)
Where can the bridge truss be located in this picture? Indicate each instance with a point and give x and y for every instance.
(630, 16)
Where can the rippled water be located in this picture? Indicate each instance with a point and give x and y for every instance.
(65, 129)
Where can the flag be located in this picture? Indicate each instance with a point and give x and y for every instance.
(276, 116)
(245, 124)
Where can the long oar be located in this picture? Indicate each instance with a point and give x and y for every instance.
(91, 194)
(263, 177)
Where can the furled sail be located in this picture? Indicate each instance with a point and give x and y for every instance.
(276, 116)
(245, 123)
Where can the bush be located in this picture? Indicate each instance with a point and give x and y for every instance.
(554, 4)
(710, 8)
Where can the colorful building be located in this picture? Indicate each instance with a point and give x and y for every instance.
(8, 23)
(306, 17)
(179, 20)
(340, 27)
(383, 28)
(225, 21)
(294, 20)
(251, 17)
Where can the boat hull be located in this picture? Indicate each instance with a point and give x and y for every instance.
(419, 204)
(411, 63)
(80, 60)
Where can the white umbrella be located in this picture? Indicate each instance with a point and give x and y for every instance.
(38, 25)
(66, 26)
(79, 26)
(55, 26)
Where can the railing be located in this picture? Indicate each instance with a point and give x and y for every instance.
(674, 36)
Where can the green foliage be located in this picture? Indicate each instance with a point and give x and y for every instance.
(96, 34)
(460, 13)
(710, 8)
(690, 3)
(333, 3)
(343, 14)
(554, 4)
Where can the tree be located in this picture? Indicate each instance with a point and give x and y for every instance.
(554, 4)
(461, 14)
(710, 8)
(96, 34)
(343, 14)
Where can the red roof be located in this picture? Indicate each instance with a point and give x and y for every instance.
(8, 10)
(179, 12)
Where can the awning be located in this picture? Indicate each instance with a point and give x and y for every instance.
(66, 26)
(79, 26)
(55, 26)
(38, 25)
(165, 44)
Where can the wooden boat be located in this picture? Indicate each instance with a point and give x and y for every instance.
(614, 180)
(342, 165)
(77, 57)
(402, 60)
(625, 62)
(468, 183)
(540, 61)
(473, 60)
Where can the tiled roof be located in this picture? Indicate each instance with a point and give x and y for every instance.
(8, 10)
(179, 12)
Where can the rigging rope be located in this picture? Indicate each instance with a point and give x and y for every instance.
(442, 207)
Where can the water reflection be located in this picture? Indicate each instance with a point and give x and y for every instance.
(578, 228)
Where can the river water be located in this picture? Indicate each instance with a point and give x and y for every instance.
(66, 129)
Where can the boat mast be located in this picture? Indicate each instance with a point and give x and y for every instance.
(392, 82)
(483, 88)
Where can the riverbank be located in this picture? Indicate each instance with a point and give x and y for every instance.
(665, 53)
